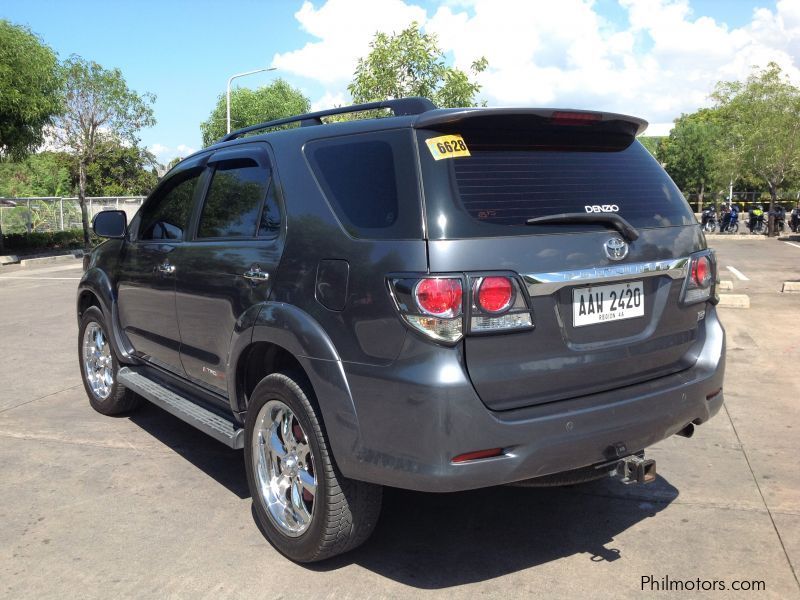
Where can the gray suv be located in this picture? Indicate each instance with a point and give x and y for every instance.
(436, 300)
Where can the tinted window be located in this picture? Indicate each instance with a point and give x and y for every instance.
(166, 216)
(371, 183)
(234, 200)
(495, 191)
(270, 222)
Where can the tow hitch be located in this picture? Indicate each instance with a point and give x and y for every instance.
(636, 469)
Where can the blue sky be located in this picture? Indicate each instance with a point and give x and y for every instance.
(653, 58)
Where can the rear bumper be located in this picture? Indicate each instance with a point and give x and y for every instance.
(417, 414)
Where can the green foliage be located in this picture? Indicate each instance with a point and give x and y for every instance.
(27, 243)
(42, 174)
(651, 143)
(29, 90)
(98, 107)
(119, 170)
(761, 133)
(410, 63)
(250, 107)
(691, 153)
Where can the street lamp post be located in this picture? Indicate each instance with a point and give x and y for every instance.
(228, 94)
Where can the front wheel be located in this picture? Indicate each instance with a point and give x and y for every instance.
(99, 367)
(306, 508)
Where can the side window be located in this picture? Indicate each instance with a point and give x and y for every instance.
(235, 199)
(270, 223)
(371, 183)
(166, 218)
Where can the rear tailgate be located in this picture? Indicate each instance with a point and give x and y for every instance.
(477, 208)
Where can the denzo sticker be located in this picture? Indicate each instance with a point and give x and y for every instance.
(447, 146)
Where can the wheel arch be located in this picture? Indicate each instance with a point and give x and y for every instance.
(285, 338)
(96, 289)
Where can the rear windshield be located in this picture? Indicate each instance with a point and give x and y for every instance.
(496, 189)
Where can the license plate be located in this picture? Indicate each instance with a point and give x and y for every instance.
(604, 303)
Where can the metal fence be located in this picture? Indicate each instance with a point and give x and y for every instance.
(24, 215)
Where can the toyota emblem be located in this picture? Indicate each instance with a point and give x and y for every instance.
(616, 248)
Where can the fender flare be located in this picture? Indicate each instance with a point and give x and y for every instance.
(299, 334)
(97, 282)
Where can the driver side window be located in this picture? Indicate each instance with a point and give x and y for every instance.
(166, 217)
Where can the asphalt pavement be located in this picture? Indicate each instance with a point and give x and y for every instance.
(145, 506)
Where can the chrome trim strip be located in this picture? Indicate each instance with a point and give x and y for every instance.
(544, 284)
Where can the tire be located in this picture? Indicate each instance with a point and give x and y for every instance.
(286, 457)
(99, 367)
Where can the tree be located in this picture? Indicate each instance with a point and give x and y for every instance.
(41, 174)
(761, 119)
(121, 170)
(99, 107)
(411, 63)
(691, 153)
(29, 90)
(651, 143)
(250, 107)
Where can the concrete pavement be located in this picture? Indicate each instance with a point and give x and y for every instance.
(145, 506)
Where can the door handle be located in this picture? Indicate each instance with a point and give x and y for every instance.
(255, 275)
(166, 268)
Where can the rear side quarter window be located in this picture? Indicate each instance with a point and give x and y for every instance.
(370, 182)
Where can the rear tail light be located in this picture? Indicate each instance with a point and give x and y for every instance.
(434, 305)
(498, 305)
(495, 294)
(439, 297)
(700, 278)
(431, 305)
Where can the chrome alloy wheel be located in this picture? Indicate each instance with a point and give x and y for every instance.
(284, 468)
(98, 364)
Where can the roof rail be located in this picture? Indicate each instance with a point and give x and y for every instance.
(399, 106)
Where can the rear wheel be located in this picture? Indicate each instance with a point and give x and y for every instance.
(306, 508)
(99, 367)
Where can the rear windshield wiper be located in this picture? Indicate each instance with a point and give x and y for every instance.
(610, 219)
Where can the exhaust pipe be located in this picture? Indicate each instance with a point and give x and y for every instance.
(687, 431)
(636, 469)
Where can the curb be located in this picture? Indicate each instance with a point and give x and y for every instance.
(734, 300)
(13, 262)
(737, 236)
(791, 287)
(46, 260)
(725, 285)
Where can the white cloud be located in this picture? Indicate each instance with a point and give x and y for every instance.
(159, 149)
(344, 29)
(664, 61)
(164, 154)
(330, 100)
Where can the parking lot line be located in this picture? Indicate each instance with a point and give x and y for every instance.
(793, 244)
(31, 277)
(739, 275)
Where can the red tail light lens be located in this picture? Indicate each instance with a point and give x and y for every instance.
(701, 271)
(439, 297)
(495, 294)
(478, 455)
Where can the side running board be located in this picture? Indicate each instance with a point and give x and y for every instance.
(218, 427)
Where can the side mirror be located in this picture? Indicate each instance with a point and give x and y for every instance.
(111, 224)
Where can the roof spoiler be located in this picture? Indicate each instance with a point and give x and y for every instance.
(446, 119)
